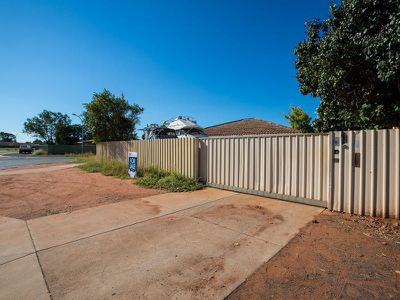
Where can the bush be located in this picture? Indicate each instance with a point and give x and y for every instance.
(39, 152)
(154, 177)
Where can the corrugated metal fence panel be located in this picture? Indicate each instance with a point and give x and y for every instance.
(289, 167)
(178, 155)
(367, 172)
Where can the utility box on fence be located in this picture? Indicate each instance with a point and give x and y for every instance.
(132, 164)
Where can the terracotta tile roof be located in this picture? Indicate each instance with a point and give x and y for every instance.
(249, 126)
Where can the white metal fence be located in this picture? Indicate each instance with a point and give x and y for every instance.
(289, 167)
(350, 171)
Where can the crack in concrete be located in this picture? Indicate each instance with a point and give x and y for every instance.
(40, 265)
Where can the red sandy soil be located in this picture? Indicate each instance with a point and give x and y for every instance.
(335, 256)
(28, 196)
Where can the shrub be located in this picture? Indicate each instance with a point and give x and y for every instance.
(40, 152)
(154, 177)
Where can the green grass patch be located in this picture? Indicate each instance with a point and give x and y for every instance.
(154, 177)
(8, 149)
(113, 168)
(79, 157)
(39, 152)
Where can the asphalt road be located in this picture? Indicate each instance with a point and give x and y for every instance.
(14, 159)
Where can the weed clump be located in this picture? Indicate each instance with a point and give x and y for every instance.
(113, 168)
(155, 177)
(39, 152)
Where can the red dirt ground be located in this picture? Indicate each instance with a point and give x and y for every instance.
(28, 196)
(335, 256)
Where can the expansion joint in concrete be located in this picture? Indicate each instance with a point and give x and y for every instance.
(40, 265)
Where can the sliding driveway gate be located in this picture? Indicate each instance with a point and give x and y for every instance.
(348, 171)
(288, 167)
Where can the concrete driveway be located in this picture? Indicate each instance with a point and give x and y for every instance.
(198, 245)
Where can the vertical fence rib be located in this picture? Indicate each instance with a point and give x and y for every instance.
(290, 166)
(373, 174)
(385, 174)
(283, 166)
(297, 174)
(397, 175)
(304, 194)
(361, 193)
(312, 168)
(350, 168)
(331, 171)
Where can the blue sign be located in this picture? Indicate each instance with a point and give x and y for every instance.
(132, 164)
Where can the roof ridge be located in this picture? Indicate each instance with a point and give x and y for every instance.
(230, 122)
(248, 126)
(269, 122)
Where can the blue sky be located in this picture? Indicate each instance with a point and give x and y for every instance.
(216, 61)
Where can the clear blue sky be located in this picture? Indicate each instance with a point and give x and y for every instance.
(216, 61)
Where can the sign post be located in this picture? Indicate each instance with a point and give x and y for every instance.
(132, 164)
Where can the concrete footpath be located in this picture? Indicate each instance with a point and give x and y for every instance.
(37, 170)
(198, 245)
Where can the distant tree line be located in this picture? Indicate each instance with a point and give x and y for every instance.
(7, 137)
(105, 118)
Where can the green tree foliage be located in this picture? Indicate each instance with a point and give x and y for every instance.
(111, 118)
(51, 127)
(38, 142)
(70, 134)
(7, 137)
(352, 62)
(299, 119)
(46, 125)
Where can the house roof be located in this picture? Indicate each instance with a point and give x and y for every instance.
(250, 126)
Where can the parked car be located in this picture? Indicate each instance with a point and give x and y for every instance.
(25, 148)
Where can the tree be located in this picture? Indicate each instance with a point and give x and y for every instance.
(352, 62)
(38, 142)
(67, 134)
(7, 137)
(111, 118)
(71, 134)
(299, 119)
(46, 125)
